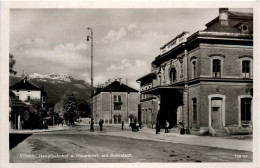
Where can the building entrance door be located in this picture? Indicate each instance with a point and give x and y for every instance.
(216, 110)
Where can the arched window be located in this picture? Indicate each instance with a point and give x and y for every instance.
(115, 98)
(119, 98)
(172, 74)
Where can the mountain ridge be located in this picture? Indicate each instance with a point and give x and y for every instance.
(57, 85)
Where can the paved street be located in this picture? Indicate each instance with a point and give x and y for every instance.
(78, 144)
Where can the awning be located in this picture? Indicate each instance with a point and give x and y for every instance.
(151, 76)
(162, 89)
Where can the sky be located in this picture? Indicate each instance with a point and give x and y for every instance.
(126, 41)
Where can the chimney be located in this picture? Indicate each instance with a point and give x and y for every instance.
(119, 80)
(223, 16)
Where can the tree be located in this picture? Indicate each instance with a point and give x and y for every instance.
(69, 106)
(36, 113)
(11, 64)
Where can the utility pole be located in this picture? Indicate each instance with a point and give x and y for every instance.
(92, 88)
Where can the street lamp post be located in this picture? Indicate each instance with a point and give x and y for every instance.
(92, 90)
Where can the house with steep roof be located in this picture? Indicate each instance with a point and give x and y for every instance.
(20, 95)
(25, 91)
(115, 103)
(205, 79)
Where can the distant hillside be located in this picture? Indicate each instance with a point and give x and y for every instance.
(57, 85)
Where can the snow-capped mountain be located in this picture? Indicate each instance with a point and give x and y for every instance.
(57, 85)
(52, 77)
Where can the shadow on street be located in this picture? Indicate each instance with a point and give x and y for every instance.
(15, 139)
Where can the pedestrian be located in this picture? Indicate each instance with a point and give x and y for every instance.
(100, 124)
(157, 127)
(92, 124)
(140, 124)
(123, 124)
(166, 126)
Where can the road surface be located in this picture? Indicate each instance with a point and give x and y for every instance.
(78, 145)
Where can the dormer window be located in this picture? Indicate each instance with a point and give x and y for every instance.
(244, 28)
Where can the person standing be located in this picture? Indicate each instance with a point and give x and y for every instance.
(92, 124)
(166, 127)
(123, 124)
(157, 128)
(100, 124)
(140, 124)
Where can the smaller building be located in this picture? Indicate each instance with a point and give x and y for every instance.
(25, 91)
(20, 95)
(115, 103)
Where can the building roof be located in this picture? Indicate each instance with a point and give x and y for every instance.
(151, 75)
(24, 85)
(213, 25)
(116, 87)
(13, 101)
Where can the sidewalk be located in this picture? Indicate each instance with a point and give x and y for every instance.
(218, 142)
(31, 131)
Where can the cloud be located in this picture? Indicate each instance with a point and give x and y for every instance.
(125, 69)
(131, 27)
(114, 35)
(31, 43)
(69, 55)
(124, 64)
(71, 47)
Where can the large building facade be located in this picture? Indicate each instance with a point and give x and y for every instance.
(206, 79)
(115, 103)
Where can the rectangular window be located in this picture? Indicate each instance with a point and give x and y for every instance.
(115, 98)
(194, 69)
(216, 68)
(246, 109)
(117, 106)
(246, 69)
(28, 98)
(194, 103)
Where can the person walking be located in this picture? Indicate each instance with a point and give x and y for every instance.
(166, 127)
(123, 124)
(101, 124)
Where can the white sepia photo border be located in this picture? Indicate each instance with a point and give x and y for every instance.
(4, 66)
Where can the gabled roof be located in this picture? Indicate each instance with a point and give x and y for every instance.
(116, 87)
(24, 85)
(232, 15)
(13, 101)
